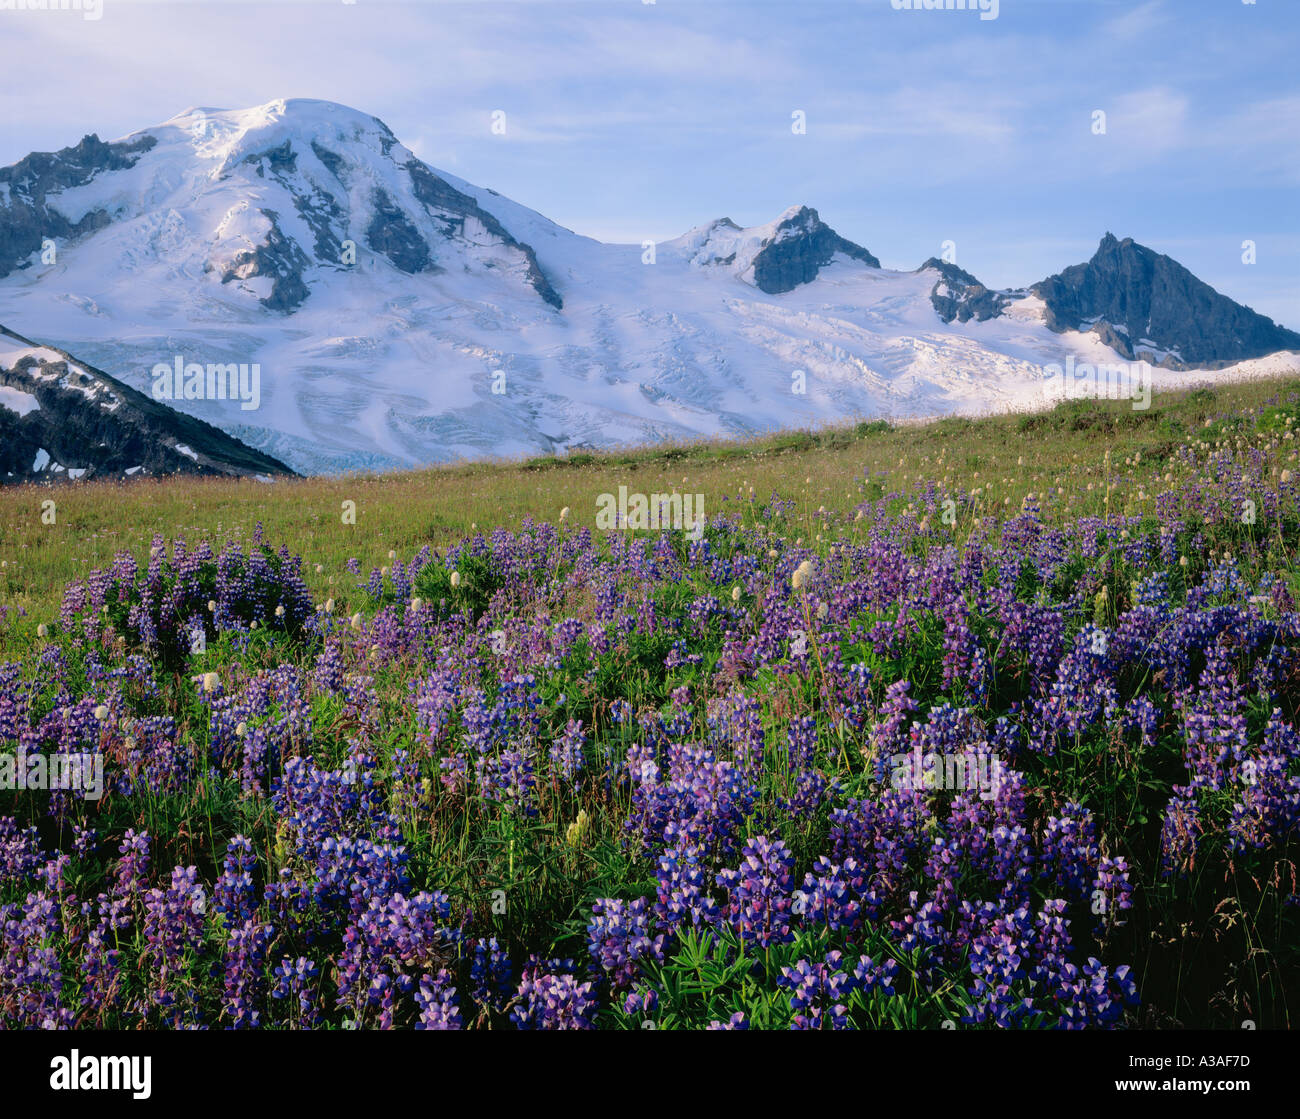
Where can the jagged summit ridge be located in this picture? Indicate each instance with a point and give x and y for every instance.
(776, 257)
(959, 295)
(1145, 305)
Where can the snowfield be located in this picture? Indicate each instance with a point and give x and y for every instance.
(378, 367)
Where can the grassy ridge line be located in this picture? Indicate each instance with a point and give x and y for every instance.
(1060, 453)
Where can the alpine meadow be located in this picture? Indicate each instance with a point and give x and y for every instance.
(878, 612)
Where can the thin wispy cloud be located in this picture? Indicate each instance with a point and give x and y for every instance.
(1140, 23)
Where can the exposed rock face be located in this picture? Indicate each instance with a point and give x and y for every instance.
(61, 419)
(802, 245)
(392, 233)
(26, 218)
(278, 258)
(281, 160)
(441, 198)
(1147, 306)
(332, 160)
(962, 297)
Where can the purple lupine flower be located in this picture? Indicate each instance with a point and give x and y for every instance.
(554, 1002)
(567, 751)
(298, 980)
(243, 983)
(490, 974)
(1112, 892)
(818, 993)
(621, 935)
(760, 904)
(232, 895)
(436, 999)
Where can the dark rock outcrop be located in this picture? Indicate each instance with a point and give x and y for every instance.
(1140, 302)
(443, 199)
(282, 160)
(392, 233)
(27, 219)
(962, 297)
(332, 160)
(279, 258)
(91, 423)
(801, 246)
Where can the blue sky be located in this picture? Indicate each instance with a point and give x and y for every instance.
(627, 120)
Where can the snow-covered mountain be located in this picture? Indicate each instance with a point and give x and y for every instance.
(397, 315)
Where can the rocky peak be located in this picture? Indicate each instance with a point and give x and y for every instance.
(799, 247)
(959, 295)
(26, 217)
(1147, 306)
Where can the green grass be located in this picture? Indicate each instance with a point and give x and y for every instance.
(1005, 457)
